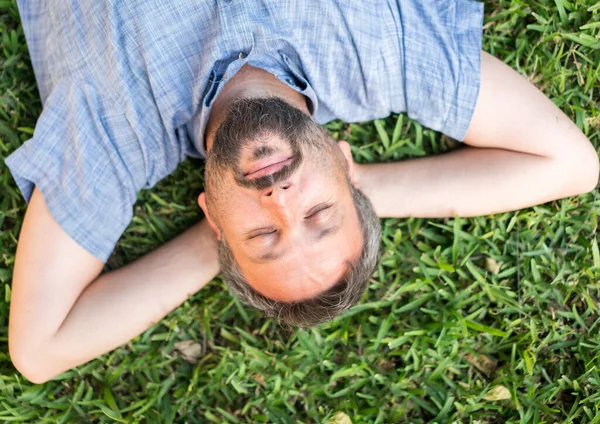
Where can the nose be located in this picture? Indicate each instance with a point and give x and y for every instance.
(278, 195)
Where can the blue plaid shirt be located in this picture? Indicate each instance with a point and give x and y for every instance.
(127, 86)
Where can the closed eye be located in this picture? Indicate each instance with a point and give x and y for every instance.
(318, 209)
(261, 233)
(312, 213)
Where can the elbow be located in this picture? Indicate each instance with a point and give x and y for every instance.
(589, 171)
(580, 172)
(28, 362)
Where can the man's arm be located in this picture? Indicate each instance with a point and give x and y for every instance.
(63, 314)
(525, 151)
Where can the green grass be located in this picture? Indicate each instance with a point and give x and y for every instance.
(458, 312)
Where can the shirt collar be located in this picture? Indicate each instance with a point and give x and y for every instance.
(281, 66)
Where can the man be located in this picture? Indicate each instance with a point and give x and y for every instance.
(130, 90)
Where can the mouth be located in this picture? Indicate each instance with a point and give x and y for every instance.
(268, 166)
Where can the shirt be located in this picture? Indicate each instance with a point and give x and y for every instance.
(127, 86)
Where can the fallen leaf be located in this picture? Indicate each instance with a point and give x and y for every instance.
(190, 350)
(260, 379)
(482, 362)
(492, 266)
(464, 385)
(339, 418)
(385, 366)
(498, 393)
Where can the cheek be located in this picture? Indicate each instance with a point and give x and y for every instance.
(219, 184)
(320, 179)
(214, 173)
(235, 209)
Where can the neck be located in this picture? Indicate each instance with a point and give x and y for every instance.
(249, 82)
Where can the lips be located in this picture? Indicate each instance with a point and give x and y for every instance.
(268, 166)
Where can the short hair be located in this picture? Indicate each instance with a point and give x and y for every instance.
(324, 306)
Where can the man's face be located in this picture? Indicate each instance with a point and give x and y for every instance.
(286, 212)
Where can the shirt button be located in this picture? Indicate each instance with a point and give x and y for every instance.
(290, 81)
(242, 55)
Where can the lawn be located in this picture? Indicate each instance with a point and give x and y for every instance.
(490, 319)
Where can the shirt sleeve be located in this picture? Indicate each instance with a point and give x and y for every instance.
(88, 164)
(442, 55)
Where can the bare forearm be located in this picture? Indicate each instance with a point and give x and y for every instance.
(121, 304)
(467, 182)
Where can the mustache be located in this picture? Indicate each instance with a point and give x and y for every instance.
(267, 181)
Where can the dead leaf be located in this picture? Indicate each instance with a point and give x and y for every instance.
(260, 379)
(339, 418)
(384, 366)
(482, 362)
(492, 266)
(498, 393)
(189, 350)
(594, 121)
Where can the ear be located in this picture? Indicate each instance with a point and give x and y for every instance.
(347, 152)
(211, 223)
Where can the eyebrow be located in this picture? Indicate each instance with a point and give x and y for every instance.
(327, 232)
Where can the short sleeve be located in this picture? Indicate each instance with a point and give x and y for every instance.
(442, 58)
(88, 164)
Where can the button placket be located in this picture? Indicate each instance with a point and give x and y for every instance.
(296, 79)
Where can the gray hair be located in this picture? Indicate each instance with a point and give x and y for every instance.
(325, 306)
